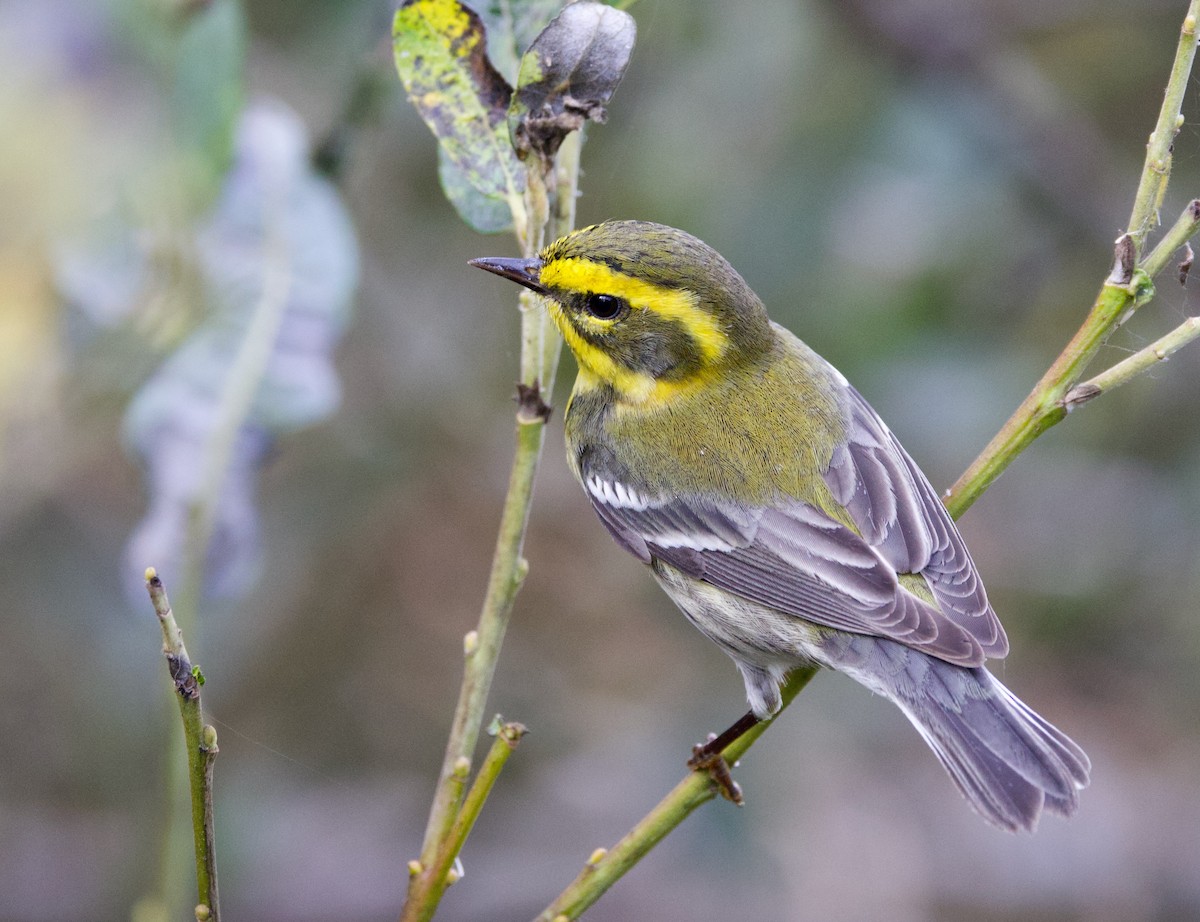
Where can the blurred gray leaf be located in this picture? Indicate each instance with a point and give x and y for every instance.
(280, 263)
(569, 74)
(102, 271)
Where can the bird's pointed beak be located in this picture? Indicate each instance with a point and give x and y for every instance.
(525, 272)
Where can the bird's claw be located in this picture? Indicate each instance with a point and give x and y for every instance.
(704, 759)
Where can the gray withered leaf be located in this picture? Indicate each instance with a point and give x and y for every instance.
(512, 25)
(569, 74)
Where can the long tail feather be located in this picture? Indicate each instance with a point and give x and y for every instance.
(1008, 761)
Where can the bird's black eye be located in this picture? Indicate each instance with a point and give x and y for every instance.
(604, 307)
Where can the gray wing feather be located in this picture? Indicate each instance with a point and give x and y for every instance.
(901, 516)
(792, 558)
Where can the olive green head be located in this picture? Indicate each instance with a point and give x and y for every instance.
(644, 307)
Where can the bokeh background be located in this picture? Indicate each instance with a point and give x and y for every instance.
(926, 190)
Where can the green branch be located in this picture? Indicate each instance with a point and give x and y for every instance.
(1181, 231)
(1126, 289)
(1141, 361)
(540, 350)
(606, 867)
(239, 388)
(201, 745)
(445, 870)
(1044, 407)
(503, 140)
(482, 648)
(1156, 170)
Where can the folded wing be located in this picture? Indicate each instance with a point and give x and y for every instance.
(898, 513)
(791, 557)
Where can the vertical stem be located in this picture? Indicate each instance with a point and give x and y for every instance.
(507, 574)
(540, 348)
(200, 745)
(483, 651)
(562, 222)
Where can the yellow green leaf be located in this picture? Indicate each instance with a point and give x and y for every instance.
(440, 49)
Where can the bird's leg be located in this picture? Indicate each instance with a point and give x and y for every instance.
(716, 744)
(706, 757)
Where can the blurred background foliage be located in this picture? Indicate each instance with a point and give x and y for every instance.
(926, 190)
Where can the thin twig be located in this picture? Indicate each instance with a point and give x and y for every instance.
(240, 386)
(1156, 171)
(482, 652)
(242, 383)
(445, 869)
(201, 744)
(1142, 360)
(507, 736)
(1181, 231)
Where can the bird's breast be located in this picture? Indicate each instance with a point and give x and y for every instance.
(757, 434)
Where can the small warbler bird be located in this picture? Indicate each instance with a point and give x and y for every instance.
(777, 509)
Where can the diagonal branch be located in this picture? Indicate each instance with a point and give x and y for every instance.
(1126, 289)
(605, 868)
(1156, 170)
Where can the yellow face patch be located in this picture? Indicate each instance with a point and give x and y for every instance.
(596, 364)
(597, 368)
(676, 304)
